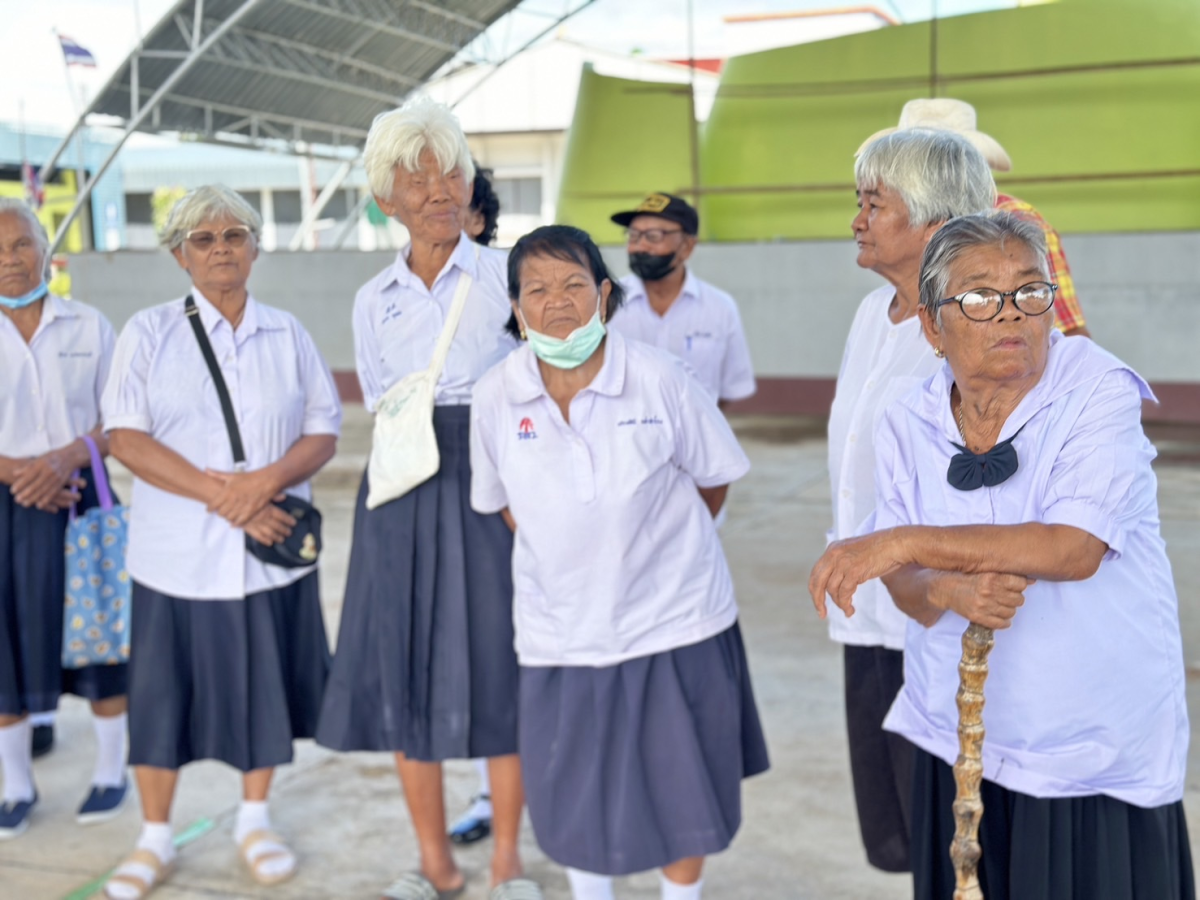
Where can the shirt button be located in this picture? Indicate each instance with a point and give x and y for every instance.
(41, 428)
(853, 437)
(871, 384)
(846, 494)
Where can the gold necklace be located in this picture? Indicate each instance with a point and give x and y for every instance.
(961, 429)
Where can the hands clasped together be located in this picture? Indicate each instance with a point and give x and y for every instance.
(246, 500)
(47, 482)
(990, 599)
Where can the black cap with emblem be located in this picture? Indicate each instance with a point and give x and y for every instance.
(665, 206)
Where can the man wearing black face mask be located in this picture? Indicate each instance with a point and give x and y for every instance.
(668, 306)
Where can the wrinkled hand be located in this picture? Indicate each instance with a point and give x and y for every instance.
(38, 481)
(243, 495)
(990, 599)
(270, 525)
(66, 497)
(846, 564)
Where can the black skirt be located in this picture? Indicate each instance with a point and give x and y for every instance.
(635, 766)
(1076, 848)
(32, 595)
(425, 663)
(230, 680)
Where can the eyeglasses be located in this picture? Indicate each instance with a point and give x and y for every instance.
(235, 236)
(650, 235)
(982, 304)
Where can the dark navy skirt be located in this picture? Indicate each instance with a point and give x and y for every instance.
(635, 766)
(231, 680)
(425, 664)
(32, 594)
(1077, 848)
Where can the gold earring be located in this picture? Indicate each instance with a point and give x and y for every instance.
(524, 336)
(939, 352)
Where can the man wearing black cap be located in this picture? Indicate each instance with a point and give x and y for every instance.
(669, 307)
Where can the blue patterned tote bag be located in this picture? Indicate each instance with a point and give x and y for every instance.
(96, 615)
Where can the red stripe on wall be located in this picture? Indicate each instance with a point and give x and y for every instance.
(1179, 402)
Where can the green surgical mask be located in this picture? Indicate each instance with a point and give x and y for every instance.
(572, 351)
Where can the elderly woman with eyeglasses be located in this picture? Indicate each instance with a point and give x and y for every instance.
(1015, 491)
(229, 654)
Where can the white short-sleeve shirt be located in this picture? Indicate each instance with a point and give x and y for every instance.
(1086, 690)
(50, 388)
(882, 362)
(702, 327)
(616, 555)
(398, 320)
(281, 390)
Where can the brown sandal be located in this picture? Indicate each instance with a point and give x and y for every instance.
(254, 864)
(161, 872)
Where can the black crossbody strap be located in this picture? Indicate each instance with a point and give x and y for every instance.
(231, 425)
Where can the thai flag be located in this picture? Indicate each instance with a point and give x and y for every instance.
(35, 194)
(74, 54)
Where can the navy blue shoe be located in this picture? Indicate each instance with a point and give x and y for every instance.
(14, 817)
(102, 804)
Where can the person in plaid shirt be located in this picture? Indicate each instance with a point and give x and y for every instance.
(956, 115)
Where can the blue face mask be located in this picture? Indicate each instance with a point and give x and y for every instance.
(572, 351)
(32, 297)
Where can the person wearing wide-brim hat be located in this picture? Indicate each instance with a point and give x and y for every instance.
(668, 306)
(948, 114)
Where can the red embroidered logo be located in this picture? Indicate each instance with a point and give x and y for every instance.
(525, 430)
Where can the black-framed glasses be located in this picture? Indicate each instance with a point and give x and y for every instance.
(982, 304)
(234, 236)
(650, 235)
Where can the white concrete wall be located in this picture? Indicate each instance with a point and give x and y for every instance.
(1140, 294)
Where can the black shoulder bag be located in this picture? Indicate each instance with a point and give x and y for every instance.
(303, 546)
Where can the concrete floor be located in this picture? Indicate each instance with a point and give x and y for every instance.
(343, 813)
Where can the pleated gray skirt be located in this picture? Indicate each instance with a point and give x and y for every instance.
(635, 766)
(425, 663)
(1071, 848)
(230, 680)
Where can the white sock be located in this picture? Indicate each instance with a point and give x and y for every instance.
(37, 720)
(155, 837)
(673, 891)
(485, 781)
(253, 816)
(111, 742)
(16, 761)
(589, 886)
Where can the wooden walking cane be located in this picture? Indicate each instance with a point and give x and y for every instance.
(968, 770)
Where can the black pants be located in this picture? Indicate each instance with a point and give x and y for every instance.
(881, 763)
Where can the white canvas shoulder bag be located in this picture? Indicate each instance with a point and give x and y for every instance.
(404, 449)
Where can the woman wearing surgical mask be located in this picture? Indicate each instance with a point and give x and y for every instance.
(637, 720)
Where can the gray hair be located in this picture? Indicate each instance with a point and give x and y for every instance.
(398, 136)
(938, 174)
(991, 229)
(212, 201)
(18, 208)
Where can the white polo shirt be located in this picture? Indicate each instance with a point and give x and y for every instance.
(616, 555)
(702, 327)
(397, 322)
(882, 362)
(1086, 690)
(281, 390)
(50, 388)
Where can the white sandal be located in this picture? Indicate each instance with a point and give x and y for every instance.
(147, 859)
(254, 862)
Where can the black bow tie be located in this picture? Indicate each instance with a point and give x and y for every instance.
(970, 471)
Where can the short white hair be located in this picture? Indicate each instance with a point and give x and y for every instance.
(16, 207)
(938, 174)
(398, 136)
(212, 201)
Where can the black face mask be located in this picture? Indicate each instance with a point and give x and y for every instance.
(650, 266)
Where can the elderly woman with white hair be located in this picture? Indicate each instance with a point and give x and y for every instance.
(425, 664)
(909, 183)
(229, 654)
(54, 358)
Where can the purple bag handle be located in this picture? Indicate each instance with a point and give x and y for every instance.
(99, 478)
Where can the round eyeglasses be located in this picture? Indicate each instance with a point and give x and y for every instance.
(982, 304)
(234, 236)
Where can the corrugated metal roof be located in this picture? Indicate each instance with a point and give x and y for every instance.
(313, 71)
